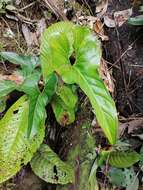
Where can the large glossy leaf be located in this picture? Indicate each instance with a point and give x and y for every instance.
(123, 159)
(15, 148)
(27, 62)
(57, 47)
(47, 165)
(64, 104)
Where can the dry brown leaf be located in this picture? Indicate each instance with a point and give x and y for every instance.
(98, 28)
(121, 17)
(118, 18)
(131, 126)
(106, 76)
(101, 8)
(30, 37)
(41, 26)
(13, 77)
(109, 21)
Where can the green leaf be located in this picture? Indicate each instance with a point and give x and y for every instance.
(137, 21)
(10, 7)
(93, 184)
(57, 47)
(123, 159)
(38, 100)
(6, 87)
(63, 104)
(27, 62)
(141, 8)
(64, 115)
(124, 178)
(15, 149)
(3, 104)
(68, 95)
(48, 166)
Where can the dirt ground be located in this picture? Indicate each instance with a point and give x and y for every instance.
(20, 31)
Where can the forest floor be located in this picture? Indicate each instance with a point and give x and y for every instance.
(122, 66)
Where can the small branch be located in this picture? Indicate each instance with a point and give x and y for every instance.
(55, 10)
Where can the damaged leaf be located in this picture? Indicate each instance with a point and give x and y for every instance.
(47, 165)
(64, 115)
(63, 104)
(15, 149)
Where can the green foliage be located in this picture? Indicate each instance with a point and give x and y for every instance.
(26, 62)
(48, 166)
(63, 104)
(38, 100)
(6, 87)
(137, 20)
(124, 178)
(6, 5)
(15, 148)
(62, 40)
(3, 104)
(120, 156)
(68, 95)
(31, 122)
(22, 127)
(123, 159)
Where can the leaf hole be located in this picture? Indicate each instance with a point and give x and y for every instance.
(72, 58)
(15, 111)
(55, 170)
(56, 173)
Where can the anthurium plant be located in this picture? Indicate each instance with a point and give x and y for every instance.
(70, 57)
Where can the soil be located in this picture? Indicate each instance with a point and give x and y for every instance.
(123, 51)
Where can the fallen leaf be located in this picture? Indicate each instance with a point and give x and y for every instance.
(121, 17)
(98, 28)
(10, 7)
(106, 76)
(17, 2)
(118, 18)
(109, 21)
(30, 37)
(41, 26)
(131, 126)
(101, 8)
(13, 77)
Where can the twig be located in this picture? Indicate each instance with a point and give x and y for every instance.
(55, 10)
(14, 37)
(124, 53)
(27, 6)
